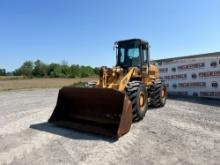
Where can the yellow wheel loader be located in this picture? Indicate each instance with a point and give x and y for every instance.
(121, 95)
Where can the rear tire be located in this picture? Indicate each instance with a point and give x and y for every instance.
(159, 93)
(137, 93)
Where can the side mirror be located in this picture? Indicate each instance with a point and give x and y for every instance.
(115, 47)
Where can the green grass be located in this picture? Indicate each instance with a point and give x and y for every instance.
(12, 77)
(79, 84)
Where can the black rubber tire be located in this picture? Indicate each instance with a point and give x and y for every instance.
(133, 91)
(156, 99)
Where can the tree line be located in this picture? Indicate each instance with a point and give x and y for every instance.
(53, 70)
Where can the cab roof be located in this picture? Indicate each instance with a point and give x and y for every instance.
(131, 40)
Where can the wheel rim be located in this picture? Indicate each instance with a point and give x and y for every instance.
(163, 94)
(142, 101)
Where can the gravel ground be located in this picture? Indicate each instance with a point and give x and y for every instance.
(185, 131)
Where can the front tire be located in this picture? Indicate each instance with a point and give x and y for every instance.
(137, 93)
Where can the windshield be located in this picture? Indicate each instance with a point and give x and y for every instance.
(128, 55)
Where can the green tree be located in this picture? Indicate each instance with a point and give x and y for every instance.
(55, 70)
(65, 70)
(25, 69)
(9, 74)
(86, 71)
(96, 70)
(51, 68)
(74, 71)
(40, 69)
(2, 72)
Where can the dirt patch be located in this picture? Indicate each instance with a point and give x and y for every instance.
(39, 83)
(182, 132)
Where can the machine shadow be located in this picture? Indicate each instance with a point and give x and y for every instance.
(70, 133)
(198, 100)
(152, 108)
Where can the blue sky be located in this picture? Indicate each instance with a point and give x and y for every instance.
(83, 31)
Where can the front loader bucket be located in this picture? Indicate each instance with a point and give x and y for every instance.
(97, 110)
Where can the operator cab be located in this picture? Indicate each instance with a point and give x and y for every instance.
(132, 53)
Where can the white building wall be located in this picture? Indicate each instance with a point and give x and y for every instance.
(192, 77)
